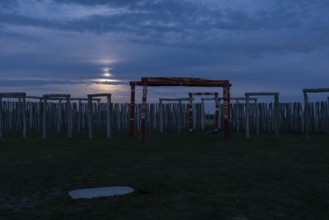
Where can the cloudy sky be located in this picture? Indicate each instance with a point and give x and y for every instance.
(89, 46)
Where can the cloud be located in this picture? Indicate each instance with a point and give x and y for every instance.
(244, 26)
(43, 82)
(50, 10)
(249, 42)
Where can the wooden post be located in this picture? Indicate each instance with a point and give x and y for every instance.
(18, 114)
(237, 118)
(79, 116)
(90, 117)
(143, 112)
(161, 115)
(40, 114)
(307, 109)
(179, 116)
(132, 110)
(52, 112)
(247, 116)
(202, 116)
(1, 117)
(227, 117)
(216, 112)
(69, 117)
(108, 118)
(44, 118)
(190, 113)
(24, 117)
(257, 117)
(59, 116)
(31, 116)
(277, 116)
(276, 111)
(176, 110)
(306, 116)
(328, 115)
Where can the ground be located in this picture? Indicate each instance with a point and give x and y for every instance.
(176, 176)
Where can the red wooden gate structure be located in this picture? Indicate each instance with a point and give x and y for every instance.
(177, 81)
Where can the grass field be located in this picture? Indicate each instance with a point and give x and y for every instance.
(176, 176)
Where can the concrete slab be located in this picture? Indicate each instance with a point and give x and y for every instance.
(91, 193)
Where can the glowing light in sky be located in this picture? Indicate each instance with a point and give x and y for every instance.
(106, 72)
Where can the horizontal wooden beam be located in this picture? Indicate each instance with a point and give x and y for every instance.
(261, 93)
(243, 99)
(13, 94)
(54, 96)
(202, 93)
(237, 99)
(85, 99)
(99, 95)
(137, 83)
(316, 90)
(177, 99)
(33, 97)
(182, 81)
(209, 98)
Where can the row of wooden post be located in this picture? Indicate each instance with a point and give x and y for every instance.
(284, 116)
(260, 114)
(55, 97)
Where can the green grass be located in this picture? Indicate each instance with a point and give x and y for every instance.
(176, 176)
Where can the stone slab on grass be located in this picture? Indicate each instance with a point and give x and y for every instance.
(91, 193)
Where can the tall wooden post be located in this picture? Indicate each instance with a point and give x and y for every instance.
(108, 117)
(328, 115)
(90, 117)
(237, 116)
(98, 115)
(40, 114)
(306, 117)
(216, 111)
(203, 116)
(79, 115)
(1, 117)
(190, 112)
(24, 117)
(277, 116)
(69, 117)
(180, 115)
(161, 115)
(247, 116)
(132, 110)
(276, 112)
(18, 114)
(143, 112)
(227, 113)
(31, 116)
(257, 116)
(44, 118)
(59, 116)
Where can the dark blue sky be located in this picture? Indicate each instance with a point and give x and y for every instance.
(87, 46)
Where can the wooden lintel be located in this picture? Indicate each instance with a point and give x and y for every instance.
(261, 93)
(182, 81)
(177, 99)
(33, 97)
(316, 90)
(13, 94)
(54, 96)
(100, 95)
(85, 99)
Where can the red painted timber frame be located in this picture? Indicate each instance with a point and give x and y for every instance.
(177, 81)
